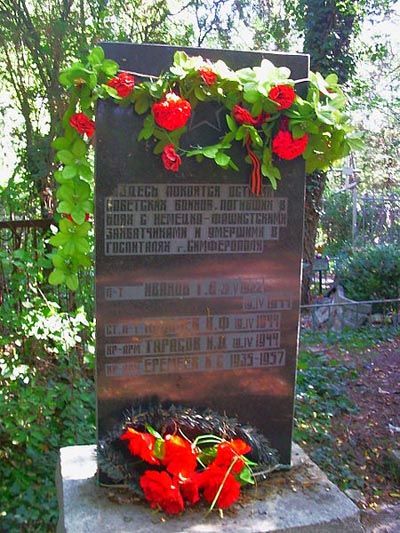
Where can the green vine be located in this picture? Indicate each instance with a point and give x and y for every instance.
(263, 113)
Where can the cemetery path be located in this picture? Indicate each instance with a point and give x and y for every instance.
(369, 438)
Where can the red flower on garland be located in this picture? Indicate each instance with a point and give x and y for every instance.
(180, 459)
(261, 118)
(82, 123)
(286, 147)
(227, 452)
(172, 112)
(211, 480)
(172, 160)
(242, 116)
(283, 95)
(123, 84)
(208, 76)
(161, 491)
(141, 444)
(87, 216)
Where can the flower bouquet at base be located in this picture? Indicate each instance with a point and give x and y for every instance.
(174, 457)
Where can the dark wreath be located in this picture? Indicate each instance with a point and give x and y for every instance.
(118, 466)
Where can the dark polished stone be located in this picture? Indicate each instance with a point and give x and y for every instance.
(197, 281)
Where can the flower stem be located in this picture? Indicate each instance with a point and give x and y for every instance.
(222, 485)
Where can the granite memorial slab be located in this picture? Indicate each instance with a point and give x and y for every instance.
(197, 279)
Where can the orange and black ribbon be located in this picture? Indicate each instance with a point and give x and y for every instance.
(255, 183)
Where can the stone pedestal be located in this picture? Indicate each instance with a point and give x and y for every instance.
(301, 500)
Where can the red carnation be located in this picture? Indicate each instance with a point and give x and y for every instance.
(190, 489)
(82, 124)
(172, 160)
(227, 452)
(123, 84)
(242, 116)
(209, 77)
(283, 95)
(286, 147)
(141, 444)
(180, 458)
(160, 491)
(211, 481)
(172, 112)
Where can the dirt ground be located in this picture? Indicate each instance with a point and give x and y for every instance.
(370, 437)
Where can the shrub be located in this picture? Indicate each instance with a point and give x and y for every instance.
(371, 273)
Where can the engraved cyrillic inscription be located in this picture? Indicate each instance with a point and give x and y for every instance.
(190, 219)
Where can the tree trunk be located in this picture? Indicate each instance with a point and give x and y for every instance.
(315, 184)
(328, 27)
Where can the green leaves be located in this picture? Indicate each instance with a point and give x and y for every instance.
(355, 141)
(269, 170)
(258, 81)
(246, 477)
(97, 68)
(142, 100)
(148, 128)
(75, 75)
(87, 83)
(66, 157)
(66, 268)
(75, 200)
(215, 152)
(73, 249)
(74, 195)
(79, 148)
(320, 116)
(109, 67)
(72, 237)
(96, 56)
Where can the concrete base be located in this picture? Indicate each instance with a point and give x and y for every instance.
(301, 500)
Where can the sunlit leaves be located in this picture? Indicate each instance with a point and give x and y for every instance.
(320, 115)
(75, 200)
(66, 268)
(87, 82)
(215, 152)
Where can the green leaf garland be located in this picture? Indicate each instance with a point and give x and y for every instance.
(320, 115)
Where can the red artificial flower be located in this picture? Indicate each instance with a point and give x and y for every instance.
(190, 489)
(211, 481)
(141, 444)
(123, 84)
(227, 452)
(208, 76)
(261, 118)
(172, 112)
(82, 124)
(172, 160)
(180, 459)
(286, 147)
(283, 95)
(160, 491)
(242, 116)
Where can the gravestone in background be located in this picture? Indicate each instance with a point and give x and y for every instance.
(197, 280)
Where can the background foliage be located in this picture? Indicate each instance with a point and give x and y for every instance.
(46, 379)
(371, 273)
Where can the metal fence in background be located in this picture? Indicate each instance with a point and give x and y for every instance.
(334, 317)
